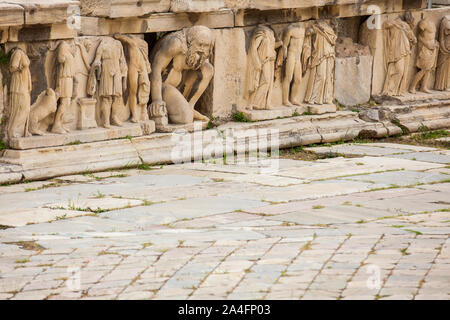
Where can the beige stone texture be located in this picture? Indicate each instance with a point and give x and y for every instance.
(11, 14)
(321, 108)
(353, 80)
(83, 136)
(122, 8)
(226, 89)
(56, 161)
(270, 114)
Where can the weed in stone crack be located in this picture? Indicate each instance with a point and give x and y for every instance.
(27, 245)
(414, 231)
(99, 195)
(318, 207)
(104, 252)
(45, 186)
(240, 117)
(64, 216)
(404, 252)
(22, 261)
(145, 166)
(147, 244)
(74, 143)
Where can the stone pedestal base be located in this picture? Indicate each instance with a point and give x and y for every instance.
(321, 108)
(271, 114)
(87, 113)
(163, 126)
(83, 136)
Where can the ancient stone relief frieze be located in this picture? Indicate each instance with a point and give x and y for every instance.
(181, 72)
(442, 81)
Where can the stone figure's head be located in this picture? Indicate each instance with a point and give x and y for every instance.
(199, 46)
(445, 26)
(409, 18)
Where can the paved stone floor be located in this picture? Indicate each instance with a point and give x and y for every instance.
(375, 226)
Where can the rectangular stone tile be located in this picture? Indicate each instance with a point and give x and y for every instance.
(400, 178)
(339, 167)
(191, 208)
(356, 150)
(433, 157)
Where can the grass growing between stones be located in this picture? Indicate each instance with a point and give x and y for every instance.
(27, 245)
(240, 117)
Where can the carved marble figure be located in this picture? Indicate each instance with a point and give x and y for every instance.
(19, 94)
(65, 79)
(183, 59)
(111, 68)
(320, 89)
(261, 68)
(399, 40)
(442, 82)
(291, 52)
(426, 57)
(138, 78)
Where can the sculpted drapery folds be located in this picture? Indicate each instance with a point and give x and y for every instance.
(443, 66)
(183, 58)
(426, 57)
(64, 84)
(321, 63)
(291, 52)
(138, 78)
(111, 68)
(399, 39)
(19, 94)
(261, 68)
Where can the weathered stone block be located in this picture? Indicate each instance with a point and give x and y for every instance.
(81, 136)
(11, 14)
(122, 8)
(353, 80)
(283, 112)
(86, 119)
(321, 108)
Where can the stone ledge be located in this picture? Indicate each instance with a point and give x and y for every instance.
(158, 22)
(83, 136)
(156, 148)
(123, 8)
(418, 98)
(11, 15)
(169, 128)
(321, 108)
(282, 112)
